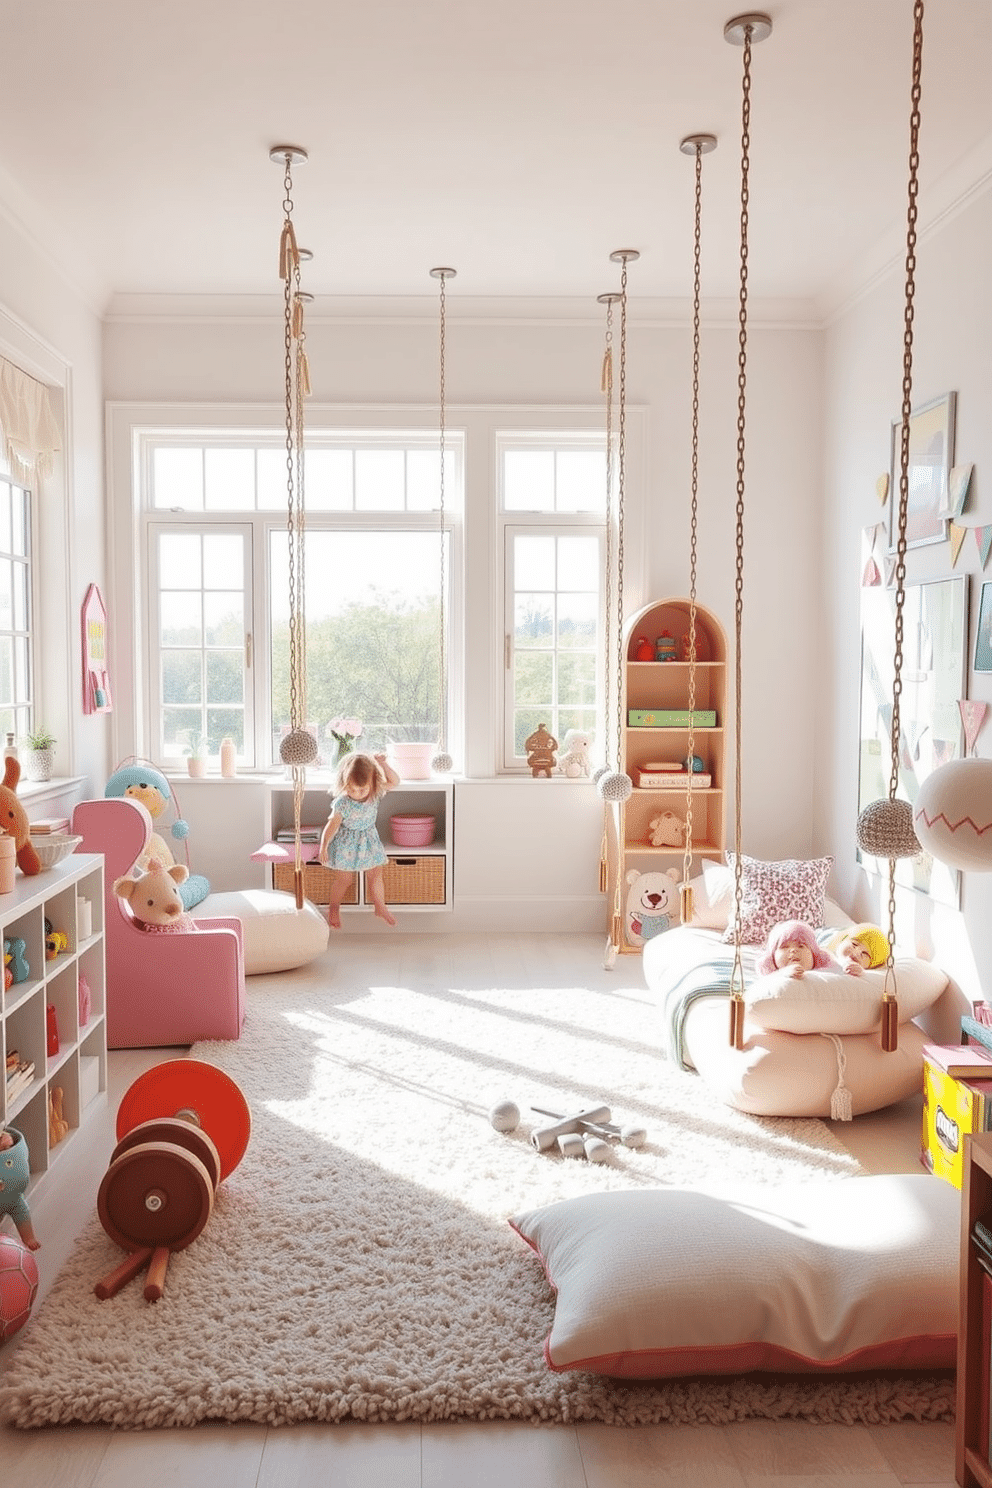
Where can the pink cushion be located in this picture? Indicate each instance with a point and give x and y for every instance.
(825, 1276)
(792, 889)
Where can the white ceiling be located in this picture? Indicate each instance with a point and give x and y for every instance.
(520, 142)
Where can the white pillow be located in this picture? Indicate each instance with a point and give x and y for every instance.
(833, 1002)
(830, 1275)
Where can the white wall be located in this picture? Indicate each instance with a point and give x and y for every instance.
(863, 381)
(48, 329)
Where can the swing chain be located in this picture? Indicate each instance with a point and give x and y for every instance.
(442, 648)
(621, 492)
(693, 527)
(737, 979)
(907, 410)
(607, 383)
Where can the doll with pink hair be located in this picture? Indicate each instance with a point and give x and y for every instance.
(792, 947)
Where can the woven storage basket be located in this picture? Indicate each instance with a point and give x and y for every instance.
(413, 881)
(316, 883)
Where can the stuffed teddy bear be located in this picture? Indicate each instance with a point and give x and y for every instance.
(667, 830)
(149, 787)
(155, 900)
(14, 820)
(650, 898)
(574, 759)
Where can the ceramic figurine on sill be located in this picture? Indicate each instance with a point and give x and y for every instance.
(540, 749)
(350, 842)
(15, 1173)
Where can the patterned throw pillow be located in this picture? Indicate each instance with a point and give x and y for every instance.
(771, 892)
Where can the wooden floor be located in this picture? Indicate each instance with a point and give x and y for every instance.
(750, 1454)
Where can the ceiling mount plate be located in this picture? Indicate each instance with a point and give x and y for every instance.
(755, 21)
(294, 154)
(706, 143)
(443, 273)
(624, 255)
(306, 254)
(610, 298)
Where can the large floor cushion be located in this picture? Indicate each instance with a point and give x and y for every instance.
(799, 1074)
(277, 935)
(838, 1275)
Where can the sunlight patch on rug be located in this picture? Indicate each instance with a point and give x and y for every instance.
(359, 1265)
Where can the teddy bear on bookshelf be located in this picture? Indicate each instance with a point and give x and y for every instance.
(651, 904)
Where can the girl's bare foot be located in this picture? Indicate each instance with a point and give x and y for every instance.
(382, 913)
(28, 1236)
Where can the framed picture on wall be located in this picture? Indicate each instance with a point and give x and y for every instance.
(931, 454)
(983, 635)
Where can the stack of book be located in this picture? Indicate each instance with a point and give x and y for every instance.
(45, 826)
(20, 1073)
(957, 1101)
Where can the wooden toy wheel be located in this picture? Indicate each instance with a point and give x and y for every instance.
(179, 1134)
(157, 1195)
(199, 1094)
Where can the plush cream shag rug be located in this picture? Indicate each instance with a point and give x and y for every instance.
(358, 1264)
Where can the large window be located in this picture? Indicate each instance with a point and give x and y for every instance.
(16, 666)
(553, 501)
(373, 558)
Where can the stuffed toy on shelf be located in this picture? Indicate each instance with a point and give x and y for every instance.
(147, 785)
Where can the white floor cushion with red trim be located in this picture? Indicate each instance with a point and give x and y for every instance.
(834, 1275)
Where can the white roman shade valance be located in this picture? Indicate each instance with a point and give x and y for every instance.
(29, 428)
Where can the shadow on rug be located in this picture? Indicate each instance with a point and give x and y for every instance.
(358, 1264)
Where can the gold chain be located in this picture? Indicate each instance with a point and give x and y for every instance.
(607, 387)
(907, 409)
(694, 511)
(621, 493)
(737, 975)
(442, 638)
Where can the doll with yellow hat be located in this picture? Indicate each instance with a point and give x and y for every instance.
(860, 948)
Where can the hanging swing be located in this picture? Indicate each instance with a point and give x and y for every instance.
(613, 784)
(743, 31)
(442, 763)
(885, 828)
(696, 145)
(299, 748)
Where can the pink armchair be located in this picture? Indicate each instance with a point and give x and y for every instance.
(161, 989)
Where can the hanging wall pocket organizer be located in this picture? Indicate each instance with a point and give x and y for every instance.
(96, 669)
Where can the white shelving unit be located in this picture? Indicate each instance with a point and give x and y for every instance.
(79, 1068)
(415, 878)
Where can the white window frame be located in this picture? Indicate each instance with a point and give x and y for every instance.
(22, 707)
(552, 523)
(255, 432)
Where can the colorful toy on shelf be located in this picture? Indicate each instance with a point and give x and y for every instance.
(56, 941)
(15, 819)
(182, 1128)
(643, 649)
(18, 1285)
(51, 1030)
(155, 899)
(667, 830)
(664, 647)
(15, 1174)
(540, 747)
(15, 959)
(58, 1127)
(148, 786)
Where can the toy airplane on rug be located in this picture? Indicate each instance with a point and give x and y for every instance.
(589, 1133)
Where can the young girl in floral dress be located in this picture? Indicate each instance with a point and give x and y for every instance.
(349, 842)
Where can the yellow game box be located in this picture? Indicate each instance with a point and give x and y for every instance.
(952, 1110)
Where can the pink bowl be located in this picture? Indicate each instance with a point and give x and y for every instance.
(412, 831)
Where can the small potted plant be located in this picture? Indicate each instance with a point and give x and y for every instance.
(196, 754)
(39, 753)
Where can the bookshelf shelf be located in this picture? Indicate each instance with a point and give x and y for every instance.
(972, 1466)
